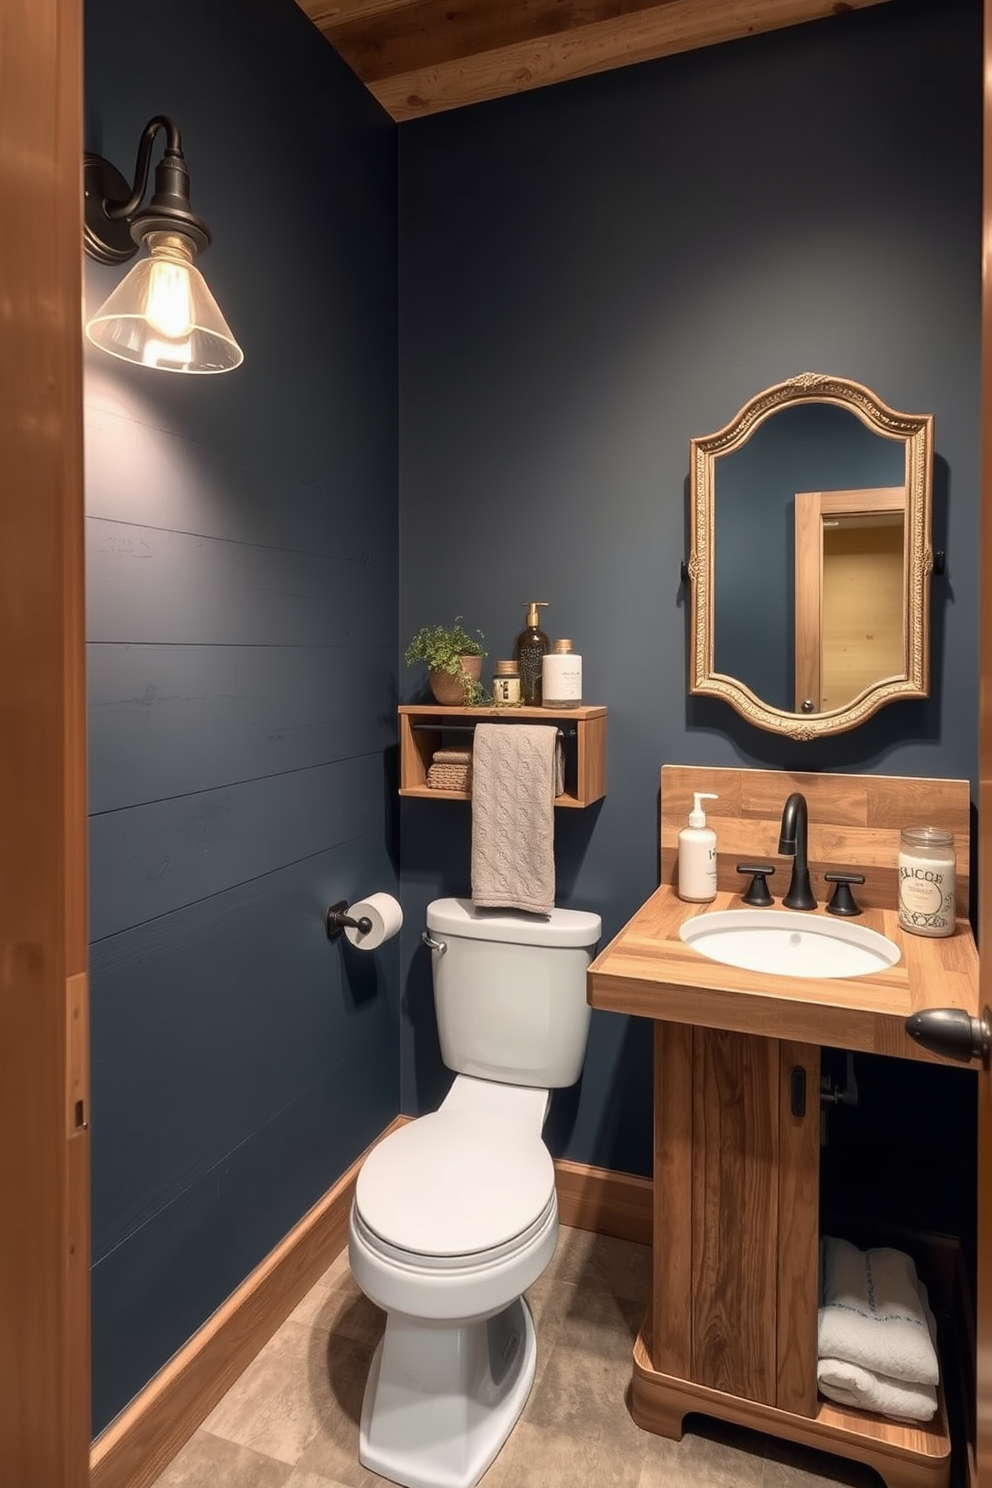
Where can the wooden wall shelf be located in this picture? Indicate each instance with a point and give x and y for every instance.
(424, 726)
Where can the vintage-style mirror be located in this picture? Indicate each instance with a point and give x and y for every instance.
(810, 557)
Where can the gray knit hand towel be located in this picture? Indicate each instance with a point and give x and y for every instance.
(513, 796)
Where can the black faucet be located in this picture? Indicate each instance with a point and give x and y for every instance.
(793, 840)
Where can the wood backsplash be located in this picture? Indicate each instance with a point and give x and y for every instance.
(854, 824)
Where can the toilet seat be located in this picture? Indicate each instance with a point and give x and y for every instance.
(473, 1262)
(451, 1189)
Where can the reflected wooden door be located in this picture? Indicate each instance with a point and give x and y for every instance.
(852, 579)
(44, 1159)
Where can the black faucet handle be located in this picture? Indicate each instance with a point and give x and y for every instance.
(757, 893)
(842, 902)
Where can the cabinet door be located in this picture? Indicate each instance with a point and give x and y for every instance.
(798, 1227)
(736, 1214)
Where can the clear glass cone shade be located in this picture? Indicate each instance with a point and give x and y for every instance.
(163, 315)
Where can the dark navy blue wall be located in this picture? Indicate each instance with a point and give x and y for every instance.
(242, 594)
(590, 275)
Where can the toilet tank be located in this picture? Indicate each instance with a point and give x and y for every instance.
(510, 991)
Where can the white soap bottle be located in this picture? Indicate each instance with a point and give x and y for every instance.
(561, 677)
(697, 854)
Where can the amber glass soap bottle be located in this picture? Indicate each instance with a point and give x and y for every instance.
(529, 650)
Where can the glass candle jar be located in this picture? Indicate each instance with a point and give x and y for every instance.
(506, 682)
(927, 881)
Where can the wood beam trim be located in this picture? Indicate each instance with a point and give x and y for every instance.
(426, 33)
(326, 14)
(663, 30)
(983, 1403)
(44, 1180)
(604, 1201)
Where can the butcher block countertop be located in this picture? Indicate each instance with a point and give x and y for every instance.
(648, 971)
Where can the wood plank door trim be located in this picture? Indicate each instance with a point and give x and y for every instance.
(981, 1466)
(44, 1160)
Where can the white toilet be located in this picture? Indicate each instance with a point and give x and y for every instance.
(455, 1214)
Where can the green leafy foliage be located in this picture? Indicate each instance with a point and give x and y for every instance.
(441, 646)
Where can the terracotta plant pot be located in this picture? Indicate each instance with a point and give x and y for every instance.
(449, 688)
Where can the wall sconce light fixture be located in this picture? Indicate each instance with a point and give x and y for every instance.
(161, 314)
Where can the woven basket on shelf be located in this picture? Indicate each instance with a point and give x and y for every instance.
(449, 777)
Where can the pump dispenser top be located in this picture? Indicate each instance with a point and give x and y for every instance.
(697, 816)
(697, 854)
(530, 649)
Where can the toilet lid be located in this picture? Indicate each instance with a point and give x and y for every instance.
(448, 1185)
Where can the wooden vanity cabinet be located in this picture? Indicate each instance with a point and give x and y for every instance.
(736, 1213)
(731, 1328)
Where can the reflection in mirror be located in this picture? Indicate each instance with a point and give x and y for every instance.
(810, 547)
(850, 594)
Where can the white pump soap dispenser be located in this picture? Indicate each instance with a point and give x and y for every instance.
(697, 854)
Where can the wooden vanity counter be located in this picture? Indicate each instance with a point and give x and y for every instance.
(648, 971)
(854, 826)
(731, 1329)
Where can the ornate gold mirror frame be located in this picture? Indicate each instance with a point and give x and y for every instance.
(915, 433)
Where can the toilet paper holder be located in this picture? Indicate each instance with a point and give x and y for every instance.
(337, 920)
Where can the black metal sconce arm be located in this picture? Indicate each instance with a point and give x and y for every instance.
(113, 227)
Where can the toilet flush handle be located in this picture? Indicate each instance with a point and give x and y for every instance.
(434, 945)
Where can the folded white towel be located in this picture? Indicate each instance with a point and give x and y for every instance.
(849, 1384)
(874, 1312)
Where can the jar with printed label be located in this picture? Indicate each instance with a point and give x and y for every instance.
(506, 682)
(927, 881)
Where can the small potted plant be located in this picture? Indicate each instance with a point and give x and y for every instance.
(453, 659)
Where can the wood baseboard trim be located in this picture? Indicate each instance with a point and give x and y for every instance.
(604, 1201)
(137, 1446)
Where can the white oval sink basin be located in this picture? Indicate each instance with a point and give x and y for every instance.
(788, 942)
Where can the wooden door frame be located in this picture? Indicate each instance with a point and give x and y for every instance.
(44, 1156)
(983, 1422)
(44, 1149)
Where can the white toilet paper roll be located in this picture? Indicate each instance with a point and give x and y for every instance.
(386, 915)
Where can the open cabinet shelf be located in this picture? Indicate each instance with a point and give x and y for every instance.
(904, 1454)
(424, 727)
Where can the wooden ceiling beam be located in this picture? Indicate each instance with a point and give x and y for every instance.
(426, 33)
(423, 56)
(326, 14)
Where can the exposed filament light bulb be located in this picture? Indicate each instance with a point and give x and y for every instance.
(162, 313)
(168, 305)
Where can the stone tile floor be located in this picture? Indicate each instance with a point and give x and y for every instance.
(291, 1420)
